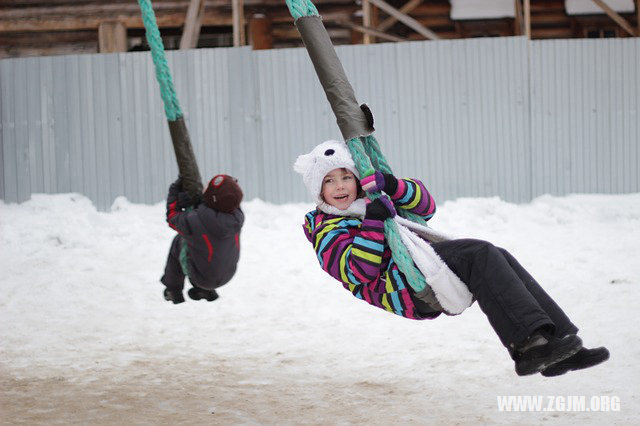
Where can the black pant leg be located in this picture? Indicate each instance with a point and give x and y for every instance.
(513, 312)
(173, 277)
(562, 322)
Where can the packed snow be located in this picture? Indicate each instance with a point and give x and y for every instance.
(87, 337)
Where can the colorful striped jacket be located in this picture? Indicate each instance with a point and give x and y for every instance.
(354, 251)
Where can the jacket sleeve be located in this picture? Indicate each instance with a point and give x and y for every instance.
(178, 219)
(412, 195)
(350, 254)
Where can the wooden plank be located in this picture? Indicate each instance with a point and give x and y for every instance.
(405, 19)
(76, 22)
(193, 21)
(408, 7)
(371, 31)
(518, 22)
(112, 37)
(616, 17)
(527, 18)
(237, 13)
(366, 21)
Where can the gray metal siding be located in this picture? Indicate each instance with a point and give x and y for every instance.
(585, 114)
(477, 117)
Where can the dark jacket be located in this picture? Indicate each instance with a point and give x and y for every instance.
(213, 242)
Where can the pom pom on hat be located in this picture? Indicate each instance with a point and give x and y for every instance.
(223, 194)
(314, 166)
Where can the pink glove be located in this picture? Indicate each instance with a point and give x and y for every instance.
(373, 183)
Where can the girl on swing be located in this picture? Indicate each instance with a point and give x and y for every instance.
(347, 233)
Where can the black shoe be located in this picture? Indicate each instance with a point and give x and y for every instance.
(542, 350)
(197, 293)
(584, 358)
(174, 296)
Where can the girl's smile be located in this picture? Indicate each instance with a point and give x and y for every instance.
(339, 188)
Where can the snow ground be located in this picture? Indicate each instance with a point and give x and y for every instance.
(87, 338)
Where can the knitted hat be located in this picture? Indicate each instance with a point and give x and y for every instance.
(223, 193)
(314, 166)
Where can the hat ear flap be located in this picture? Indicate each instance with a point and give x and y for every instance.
(303, 163)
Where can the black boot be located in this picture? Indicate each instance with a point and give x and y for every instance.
(174, 296)
(542, 350)
(584, 358)
(197, 293)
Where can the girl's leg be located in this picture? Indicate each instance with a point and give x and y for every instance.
(562, 322)
(512, 310)
(173, 277)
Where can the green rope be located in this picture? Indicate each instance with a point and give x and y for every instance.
(368, 158)
(163, 75)
(300, 8)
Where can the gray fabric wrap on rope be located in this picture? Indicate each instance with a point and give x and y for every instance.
(350, 118)
(187, 165)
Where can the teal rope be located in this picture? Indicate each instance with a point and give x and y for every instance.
(163, 75)
(300, 8)
(368, 158)
(379, 162)
(364, 154)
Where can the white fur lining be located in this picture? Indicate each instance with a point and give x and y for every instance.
(357, 208)
(451, 292)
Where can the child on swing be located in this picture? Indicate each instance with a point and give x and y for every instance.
(347, 233)
(207, 247)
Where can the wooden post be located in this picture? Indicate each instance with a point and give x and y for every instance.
(518, 21)
(638, 16)
(191, 29)
(527, 18)
(112, 37)
(260, 32)
(238, 23)
(366, 21)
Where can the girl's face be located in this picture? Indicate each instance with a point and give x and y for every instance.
(339, 188)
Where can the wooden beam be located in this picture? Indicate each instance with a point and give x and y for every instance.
(112, 37)
(616, 17)
(405, 19)
(408, 7)
(260, 32)
(638, 15)
(237, 13)
(366, 30)
(527, 18)
(193, 21)
(69, 23)
(367, 12)
(518, 22)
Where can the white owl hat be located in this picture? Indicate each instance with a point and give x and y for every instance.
(314, 166)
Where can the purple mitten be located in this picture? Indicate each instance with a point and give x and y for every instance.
(373, 183)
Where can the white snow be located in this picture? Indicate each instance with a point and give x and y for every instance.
(86, 337)
(482, 9)
(589, 7)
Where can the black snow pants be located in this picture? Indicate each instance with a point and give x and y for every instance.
(509, 296)
(173, 277)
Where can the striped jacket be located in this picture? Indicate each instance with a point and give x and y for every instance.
(354, 251)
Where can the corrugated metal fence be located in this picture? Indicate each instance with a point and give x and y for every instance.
(477, 117)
